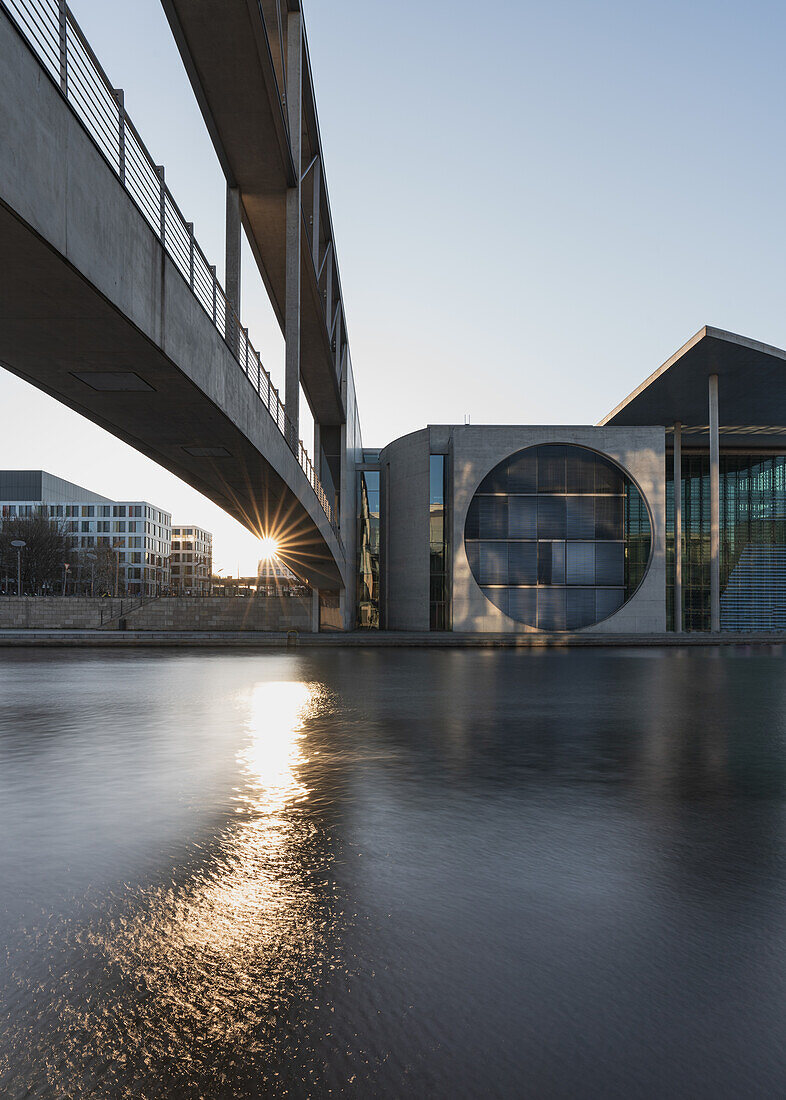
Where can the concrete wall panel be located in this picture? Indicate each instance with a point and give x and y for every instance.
(640, 452)
(405, 530)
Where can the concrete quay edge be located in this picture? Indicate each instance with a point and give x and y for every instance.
(374, 639)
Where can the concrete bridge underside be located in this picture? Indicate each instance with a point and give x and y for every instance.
(94, 313)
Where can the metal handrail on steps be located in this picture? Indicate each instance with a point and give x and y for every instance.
(127, 606)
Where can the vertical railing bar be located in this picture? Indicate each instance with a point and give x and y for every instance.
(63, 36)
(121, 134)
(190, 228)
(161, 204)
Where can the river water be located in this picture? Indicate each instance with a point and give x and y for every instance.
(422, 873)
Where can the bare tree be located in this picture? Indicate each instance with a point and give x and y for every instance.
(48, 548)
(109, 577)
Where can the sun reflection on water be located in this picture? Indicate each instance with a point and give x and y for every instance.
(203, 964)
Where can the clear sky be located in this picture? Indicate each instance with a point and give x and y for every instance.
(534, 206)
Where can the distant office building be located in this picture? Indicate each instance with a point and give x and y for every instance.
(274, 576)
(192, 561)
(138, 534)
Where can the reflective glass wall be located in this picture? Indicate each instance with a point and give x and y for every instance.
(557, 537)
(752, 541)
(438, 544)
(368, 530)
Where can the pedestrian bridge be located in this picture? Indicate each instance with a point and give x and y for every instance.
(108, 304)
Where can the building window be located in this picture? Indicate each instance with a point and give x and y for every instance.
(557, 537)
(368, 548)
(752, 541)
(438, 544)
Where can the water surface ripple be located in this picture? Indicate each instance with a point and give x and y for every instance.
(391, 873)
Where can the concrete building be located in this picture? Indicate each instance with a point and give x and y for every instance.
(512, 529)
(191, 561)
(138, 533)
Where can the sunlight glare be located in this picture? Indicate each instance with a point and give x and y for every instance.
(268, 548)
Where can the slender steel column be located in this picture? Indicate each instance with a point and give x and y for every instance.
(232, 259)
(714, 507)
(318, 449)
(315, 209)
(678, 527)
(294, 220)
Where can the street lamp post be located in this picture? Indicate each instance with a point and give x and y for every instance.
(92, 559)
(20, 544)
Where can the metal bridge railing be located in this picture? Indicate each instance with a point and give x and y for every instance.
(57, 40)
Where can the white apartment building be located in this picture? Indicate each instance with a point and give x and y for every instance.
(273, 576)
(191, 561)
(138, 533)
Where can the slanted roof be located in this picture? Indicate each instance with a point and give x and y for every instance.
(751, 389)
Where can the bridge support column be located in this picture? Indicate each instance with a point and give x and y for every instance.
(714, 506)
(678, 527)
(232, 275)
(315, 610)
(294, 223)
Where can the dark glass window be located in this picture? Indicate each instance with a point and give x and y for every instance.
(580, 517)
(580, 565)
(558, 537)
(522, 517)
(581, 609)
(523, 472)
(608, 517)
(493, 563)
(551, 469)
(489, 520)
(551, 562)
(499, 597)
(522, 563)
(368, 532)
(496, 481)
(523, 603)
(610, 563)
(493, 517)
(551, 609)
(551, 517)
(580, 471)
(752, 541)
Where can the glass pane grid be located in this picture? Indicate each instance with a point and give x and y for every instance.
(752, 541)
(557, 537)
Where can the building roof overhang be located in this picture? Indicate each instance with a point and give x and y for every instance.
(751, 391)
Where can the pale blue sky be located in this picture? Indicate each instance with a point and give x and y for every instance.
(534, 206)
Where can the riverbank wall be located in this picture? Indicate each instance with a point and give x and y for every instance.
(775, 644)
(181, 614)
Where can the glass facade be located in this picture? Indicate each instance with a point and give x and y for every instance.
(368, 503)
(752, 541)
(557, 537)
(438, 544)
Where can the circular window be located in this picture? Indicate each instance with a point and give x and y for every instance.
(558, 537)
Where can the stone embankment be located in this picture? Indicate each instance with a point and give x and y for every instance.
(210, 613)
